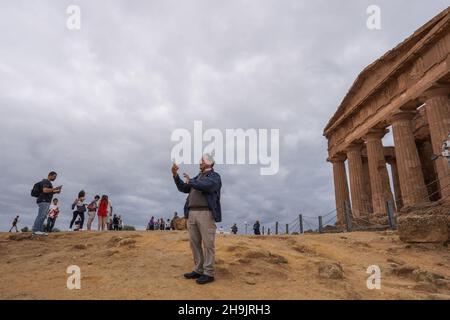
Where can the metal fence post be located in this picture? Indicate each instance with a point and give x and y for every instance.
(268, 231)
(263, 230)
(300, 219)
(320, 224)
(348, 216)
(391, 216)
(276, 227)
(287, 228)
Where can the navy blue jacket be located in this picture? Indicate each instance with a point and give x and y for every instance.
(210, 186)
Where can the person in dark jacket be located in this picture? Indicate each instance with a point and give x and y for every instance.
(202, 210)
(14, 224)
(234, 229)
(116, 223)
(79, 208)
(257, 228)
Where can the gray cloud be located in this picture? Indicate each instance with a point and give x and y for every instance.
(99, 105)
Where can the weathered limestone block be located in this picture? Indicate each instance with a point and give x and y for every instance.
(180, 224)
(425, 223)
(330, 270)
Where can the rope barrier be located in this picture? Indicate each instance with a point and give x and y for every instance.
(312, 222)
(419, 189)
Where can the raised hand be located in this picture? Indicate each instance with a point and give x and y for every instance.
(175, 169)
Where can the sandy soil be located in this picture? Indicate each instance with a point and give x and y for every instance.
(149, 265)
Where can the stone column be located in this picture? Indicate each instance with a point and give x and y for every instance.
(340, 187)
(412, 183)
(379, 178)
(438, 115)
(357, 187)
(396, 183)
(367, 183)
(425, 150)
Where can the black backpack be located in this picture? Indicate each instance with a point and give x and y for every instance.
(37, 189)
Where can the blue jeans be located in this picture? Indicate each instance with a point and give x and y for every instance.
(42, 214)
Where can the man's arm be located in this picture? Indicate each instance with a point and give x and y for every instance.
(181, 186)
(209, 184)
(46, 189)
(49, 190)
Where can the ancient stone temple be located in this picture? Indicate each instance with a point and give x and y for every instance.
(406, 91)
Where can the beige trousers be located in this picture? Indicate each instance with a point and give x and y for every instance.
(202, 229)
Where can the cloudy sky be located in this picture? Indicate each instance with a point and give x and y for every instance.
(99, 104)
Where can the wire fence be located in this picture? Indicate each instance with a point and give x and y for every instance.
(331, 222)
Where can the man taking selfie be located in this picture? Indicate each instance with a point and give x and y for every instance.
(202, 210)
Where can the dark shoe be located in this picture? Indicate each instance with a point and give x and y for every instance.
(192, 275)
(204, 279)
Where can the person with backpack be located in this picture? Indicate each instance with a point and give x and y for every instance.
(53, 213)
(168, 225)
(44, 192)
(104, 209)
(79, 208)
(14, 224)
(92, 211)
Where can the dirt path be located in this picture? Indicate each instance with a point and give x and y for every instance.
(149, 265)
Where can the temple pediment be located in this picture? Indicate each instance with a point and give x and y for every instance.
(391, 74)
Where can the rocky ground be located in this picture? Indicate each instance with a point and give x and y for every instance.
(149, 265)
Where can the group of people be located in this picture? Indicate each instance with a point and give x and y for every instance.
(160, 224)
(202, 210)
(256, 228)
(99, 207)
(49, 209)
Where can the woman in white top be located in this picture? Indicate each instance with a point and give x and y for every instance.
(79, 208)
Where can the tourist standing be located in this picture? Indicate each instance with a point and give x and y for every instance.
(168, 225)
(234, 229)
(151, 224)
(116, 223)
(120, 223)
(14, 224)
(256, 228)
(110, 218)
(162, 225)
(92, 211)
(79, 208)
(44, 192)
(53, 213)
(104, 208)
(203, 210)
